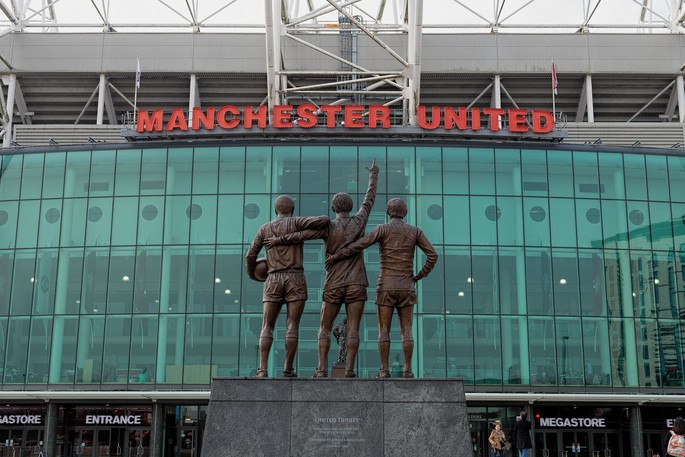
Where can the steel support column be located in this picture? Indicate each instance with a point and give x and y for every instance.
(194, 98)
(101, 100)
(414, 58)
(589, 101)
(680, 89)
(11, 90)
(272, 9)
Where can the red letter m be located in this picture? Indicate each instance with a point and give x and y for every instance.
(147, 123)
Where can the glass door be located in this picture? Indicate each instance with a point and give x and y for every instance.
(605, 444)
(188, 442)
(575, 444)
(80, 443)
(139, 442)
(546, 444)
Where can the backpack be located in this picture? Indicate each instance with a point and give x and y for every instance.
(676, 445)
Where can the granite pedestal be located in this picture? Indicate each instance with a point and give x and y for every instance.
(336, 417)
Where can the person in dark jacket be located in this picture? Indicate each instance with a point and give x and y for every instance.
(522, 434)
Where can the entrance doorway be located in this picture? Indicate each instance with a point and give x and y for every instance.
(189, 442)
(108, 442)
(20, 441)
(577, 443)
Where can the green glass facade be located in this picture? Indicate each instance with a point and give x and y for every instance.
(558, 267)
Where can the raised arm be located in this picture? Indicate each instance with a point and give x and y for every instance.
(315, 223)
(370, 197)
(431, 256)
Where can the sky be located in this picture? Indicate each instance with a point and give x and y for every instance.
(457, 13)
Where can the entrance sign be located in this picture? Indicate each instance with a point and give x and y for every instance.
(349, 117)
(109, 419)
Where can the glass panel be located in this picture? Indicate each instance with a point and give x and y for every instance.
(177, 219)
(401, 170)
(562, 221)
(115, 364)
(177, 278)
(232, 170)
(229, 262)
(226, 345)
(614, 223)
(202, 214)
(589, 218)
(508, 171)
(455, 169)
(596, 352)
(8, 223)
(91, 337)
(23, 282)
(120, 289)
(257, 211)
(45, 281)
(6, 269)
(591, 279)
(29, 212)
(586, 175)
(68, 297)
(99, 222)
(154, 169)
(678, 222)
(611, 175)
(539, 282)
(32, 176)
(514, 349)
(53, 178)
(101, 173)
(151, 220)
(560, 169)
(77, 174)
(10, 176)
(662, 236)
(143, 348)
(127, 178)
(657, 178)
(618, 283)
(95, 275)
(197, 367)
(18, 333)
(534, 172)
(638, 225)
(343, 170)
(205, 170)
(482, 171)
(170, 353)
(147, 286)
(124, 220)
(179, 171)
(250, 327)
(201, 279)
(315, 169)
(487, 349)
(230, 222)
(512, 280)
(622, 343)
(286, 170)
(484, 216)
(569, 346)
(38, 356)
(429, 176)
(367, 154)
(565, 281)
(258, 172)
(50, 222)
(430, 290)
(63, 356)
(457, 285)
(431, 331)
(74, 222)
(670, 353)
(484, 281)
(430, 217)
(676, 177)
(635, 176)
(543, 360)
(664, 283)
(456, 216)
(536, 220)
(648, 363)
(510, 223)
(680, 275)
(459, 333)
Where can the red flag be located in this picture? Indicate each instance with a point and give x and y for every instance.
(555, 81)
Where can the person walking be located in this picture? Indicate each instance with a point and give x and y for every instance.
(498, 441)
(676, 441)
(522, 435)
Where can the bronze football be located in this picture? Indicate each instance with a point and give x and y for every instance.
(261, 270)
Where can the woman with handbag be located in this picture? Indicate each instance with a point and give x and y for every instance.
(498, 441)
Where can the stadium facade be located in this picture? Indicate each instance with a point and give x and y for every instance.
(560, 287)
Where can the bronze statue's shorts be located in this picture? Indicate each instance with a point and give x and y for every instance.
(345, 294)
(396, 298)
(285, 287)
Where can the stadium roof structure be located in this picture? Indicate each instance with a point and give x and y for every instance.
(70, 65)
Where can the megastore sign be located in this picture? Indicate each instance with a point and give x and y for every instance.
(213, 120)
(572, 422)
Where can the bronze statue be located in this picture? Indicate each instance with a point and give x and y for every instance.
(395, 287)
(285, 282)
(340, 334)
(345, 281)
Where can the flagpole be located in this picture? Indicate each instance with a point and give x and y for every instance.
(135, 93)
(554, 101)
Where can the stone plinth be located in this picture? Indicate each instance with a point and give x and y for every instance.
(336, 417)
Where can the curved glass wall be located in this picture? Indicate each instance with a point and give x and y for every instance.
(557, 267)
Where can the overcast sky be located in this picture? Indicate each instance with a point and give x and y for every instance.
(570, 12)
